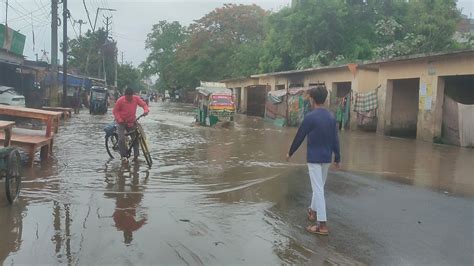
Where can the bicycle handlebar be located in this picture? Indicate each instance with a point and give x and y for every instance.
(138, 118)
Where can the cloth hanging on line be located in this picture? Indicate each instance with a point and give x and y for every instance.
(365, 102)
(367, 119)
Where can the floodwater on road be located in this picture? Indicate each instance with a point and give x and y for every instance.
(227, 196)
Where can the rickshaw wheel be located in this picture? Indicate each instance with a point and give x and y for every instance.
(13, 176)
(111, 144)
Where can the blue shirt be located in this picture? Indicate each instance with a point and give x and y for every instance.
(323, 140)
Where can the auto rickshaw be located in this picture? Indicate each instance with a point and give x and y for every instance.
(215, 104)
(98, 102)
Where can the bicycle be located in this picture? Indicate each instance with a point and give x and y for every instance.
(136, 134)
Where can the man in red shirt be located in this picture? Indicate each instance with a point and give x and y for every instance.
(125, 115)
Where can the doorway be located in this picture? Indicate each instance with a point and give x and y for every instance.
(405, 105)
(256, 97)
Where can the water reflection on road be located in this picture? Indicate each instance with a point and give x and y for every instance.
(213, 195)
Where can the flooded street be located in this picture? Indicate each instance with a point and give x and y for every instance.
(227, 196)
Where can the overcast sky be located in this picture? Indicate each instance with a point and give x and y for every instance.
(130, 23)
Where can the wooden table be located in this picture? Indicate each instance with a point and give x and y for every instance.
(49, 117)
(32, 140)
(7, 127)
(67, 112)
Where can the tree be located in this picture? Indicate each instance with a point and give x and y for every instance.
(88, 52)
(239, 40)
(220, 40)
(163, 42)
(245, 59)
(435, 20)
(425, 27)
(314, 32)
(129, 76)
(208, 49)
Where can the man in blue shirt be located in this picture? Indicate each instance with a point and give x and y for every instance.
(323, 141)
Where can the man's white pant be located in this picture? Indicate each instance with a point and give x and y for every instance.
(318, 174)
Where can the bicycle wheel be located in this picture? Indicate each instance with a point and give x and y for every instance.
(111, 144)
(146, 152)
(144, 145)
(13, 175)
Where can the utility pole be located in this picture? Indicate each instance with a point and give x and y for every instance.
(97, 14)
(105, 72)
(6, 14)
(80, 22)
(107, 24)
(65, 49)
(116, 63)
(54, 49)
(122, 58)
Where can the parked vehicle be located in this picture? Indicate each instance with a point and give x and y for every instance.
(215, 104)
(98, 100)
(9, 96)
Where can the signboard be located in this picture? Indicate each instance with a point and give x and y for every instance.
(212, 84)
(11, 40)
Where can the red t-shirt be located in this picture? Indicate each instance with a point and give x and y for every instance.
(125, 111)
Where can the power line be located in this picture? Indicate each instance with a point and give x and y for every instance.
(87, 12)
(22, 7)
(126, 38)
(24, 16)
(73, 28)
(42, 6)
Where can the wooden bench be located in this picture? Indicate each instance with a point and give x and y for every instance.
(7, 126)
(67, 112)
(32, 140)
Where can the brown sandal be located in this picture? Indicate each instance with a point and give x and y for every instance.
(311, 215)
(318, 230)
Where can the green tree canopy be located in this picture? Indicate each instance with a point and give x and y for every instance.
(208, 48)
(87, 53)
(239, 40)
(129, 76)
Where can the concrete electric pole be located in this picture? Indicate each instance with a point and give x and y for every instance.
(6, 13)
(80, 22)
(65, 50)
(116, 66)
(107, 23)
(54, 51)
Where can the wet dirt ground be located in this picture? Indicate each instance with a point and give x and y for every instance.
(227, 196)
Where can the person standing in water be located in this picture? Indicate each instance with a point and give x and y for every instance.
(320, 127)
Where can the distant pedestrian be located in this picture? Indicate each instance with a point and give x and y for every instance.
(116, 95)
(320, 127)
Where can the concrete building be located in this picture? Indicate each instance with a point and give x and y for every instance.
(413, 89)
(410, 90)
